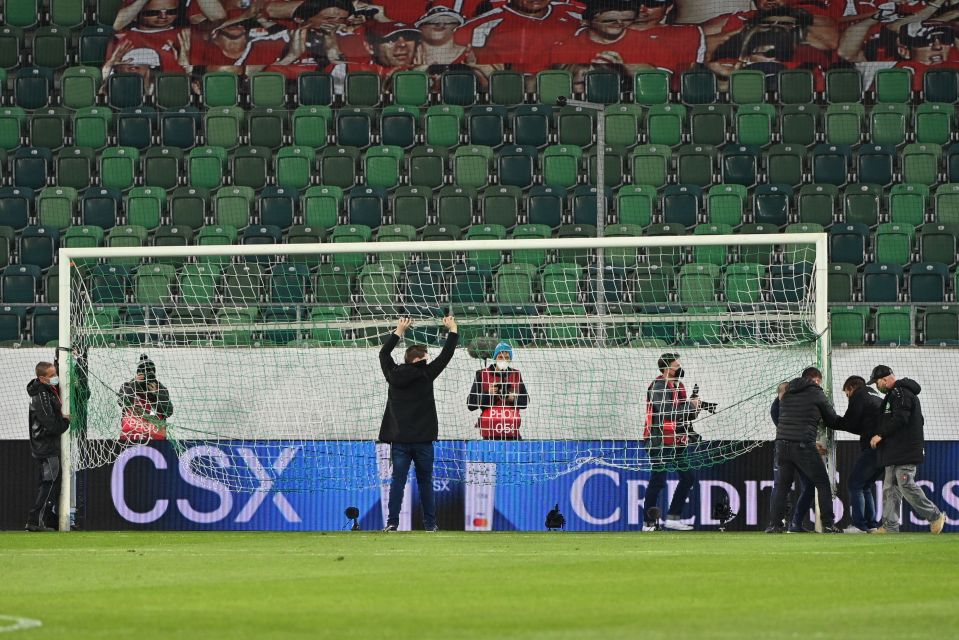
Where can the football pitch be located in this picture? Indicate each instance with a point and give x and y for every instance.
(449, 585)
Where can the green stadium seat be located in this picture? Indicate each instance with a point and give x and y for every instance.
(501, 205)
(125, 90)
(602, 86)
(788, 281)
(941, 85)
(233, 206)
(585, 203)
(663, 256)
(180, 127)
(289, 283)
(295, 167)
(379, 287)
(362, 89)
(888, 123)
(7, 238)
(48, 128)
(172, 90)
(613, 162)
(74, 167)
(314, 89)
(623, 125)
(197, 284)
(267, 126)
(937, 243)
(427, 166)
(395, 233)
(135, 127)
(876, 164)
(893, 243)
(338, 166)
(552, 84)
(799, 124)
(796, 86)
(443, 125)
(56, 207)
(472, 165)
(842, 282)
(681, 204)
(531, 124)
(651, 164)
(267, 89)
(743, 284)
(32, 167)
(849, 325)
(636, 204)
(843, 85)
(711, 254)
(11, 47)
(18, 283)
(45, 325)
(223, 126)
(411, 88)
(882, 282)
(145, 206)
(411, 206)
(50, 47)
(709, 124)
(544, 205)
(110, 284)
(536, 257)
(311, 126)
(206, 167)
(399, 126)
(12, 121)
(153, 284)
(354, 127)
(907, 203)
(305, 234)
(485, 261)
(747, 87)
(698, 87)
(578, 256)
(93, 42)
(458, 87)
(739, 165)
(16, 204)
(486, 125)
(560, 283)
(454, 206)
(350, 234)
(862, 204)
(695, 164)
(32, 87)
(261, 234)
(220, 89)
(507, 88)
(11, 324)
(277, 207)
(847, 243)
(322, 206)
(441, 233)
(665, 124)
(947, 203)
(920, 163)
(935, 122)
(366, 206)
(844, 123)
(697, 283)
(215, 235)
(941, 326)
(426, 285)
(188, 206)
(651, 86)
(894, 326)
(514, 286)
(830, 164)
(126, 236)
(760, 254)
(575, 126)
(726, 204)
(79, 86)
(952, 163)
(250, 166)
(772, 204)
(754, 124)
(468, 284)
(383, 166)
(817, 204)
(37, 246)
(162, 167)
(927, 282)
(516, 166)
(244, 284)
(893, 85)
(561, 165)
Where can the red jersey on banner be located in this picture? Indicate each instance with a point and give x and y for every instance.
(504, 36)
(919, 69)
(667, 47)
(261, 50)
(164, 42)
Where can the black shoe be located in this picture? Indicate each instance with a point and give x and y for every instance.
(390, 528)
(831, 529)
(798, 529)
(432, 529)
(39, 527)
(775, 529)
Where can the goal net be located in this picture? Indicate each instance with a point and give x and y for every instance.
(269, 353)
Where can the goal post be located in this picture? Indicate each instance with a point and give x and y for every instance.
(586, 352)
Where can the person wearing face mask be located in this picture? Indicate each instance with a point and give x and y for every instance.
(899, 446)
(146, 405)
(410, 424)
(47, 424)
(499, 393)
(666, 435)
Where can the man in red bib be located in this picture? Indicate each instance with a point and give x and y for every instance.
(146, 405)
(498, 391)
(666, 435)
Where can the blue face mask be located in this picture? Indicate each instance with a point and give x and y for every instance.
(54, 381)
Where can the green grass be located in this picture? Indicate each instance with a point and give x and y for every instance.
(478, 586)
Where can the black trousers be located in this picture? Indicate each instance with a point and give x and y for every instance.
(801, 456)
(44, 512)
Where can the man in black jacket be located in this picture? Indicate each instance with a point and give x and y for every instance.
(899, 443)
(47, 424)
(801, 409)
(409, 423)
(862, 418)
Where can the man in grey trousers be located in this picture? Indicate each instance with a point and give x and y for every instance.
(899, 444)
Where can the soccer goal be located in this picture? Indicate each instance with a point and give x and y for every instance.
(270, 351)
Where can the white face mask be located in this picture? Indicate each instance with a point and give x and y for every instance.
(54, 381)
(502, 364)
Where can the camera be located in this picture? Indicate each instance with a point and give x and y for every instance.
(560, 101)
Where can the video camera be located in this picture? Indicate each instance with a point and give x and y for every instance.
(705, 406)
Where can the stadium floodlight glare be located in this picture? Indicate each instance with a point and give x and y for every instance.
(742, 329)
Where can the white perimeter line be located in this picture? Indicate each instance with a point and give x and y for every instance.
(19, 624)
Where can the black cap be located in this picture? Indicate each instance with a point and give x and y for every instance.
(146, 368)
(880, 371)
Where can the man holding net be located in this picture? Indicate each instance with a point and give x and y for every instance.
(667, 434)
(410, 424)
(47, 424)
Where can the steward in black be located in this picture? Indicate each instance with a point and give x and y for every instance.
(47, 424)
(862, 415)
(800, 410)
(410, 414)
(900, 425)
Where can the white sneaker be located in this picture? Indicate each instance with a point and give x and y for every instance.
(853, 529)
(650, 527)
(676, 525)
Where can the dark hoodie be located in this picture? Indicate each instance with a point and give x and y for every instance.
(47, 423)
(802, 407)
(900, 425)
(862, 415)
(410, 414)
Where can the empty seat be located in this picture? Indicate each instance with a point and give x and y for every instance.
(927, 282)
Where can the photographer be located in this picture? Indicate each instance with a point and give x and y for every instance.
(499, 392)
(146, 405)
(666, 435)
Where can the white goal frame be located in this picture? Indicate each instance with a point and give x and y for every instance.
(68, 255)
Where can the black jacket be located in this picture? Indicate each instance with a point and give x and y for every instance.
(47, 423)
(410, 414)
(900, 425)
(862, 415)
(479, 399)
(134, 393)
(802, 407)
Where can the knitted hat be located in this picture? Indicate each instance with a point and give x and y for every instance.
(501, 348)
